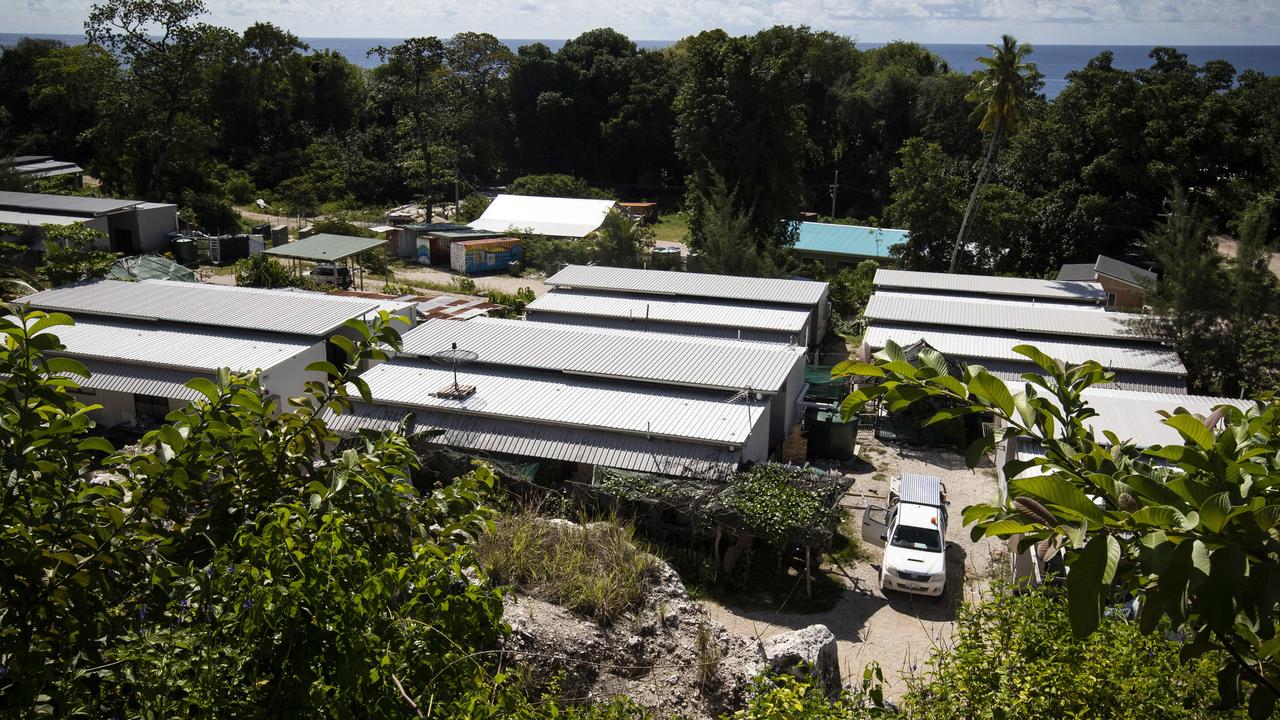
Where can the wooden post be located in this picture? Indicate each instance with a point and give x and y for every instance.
(808, 572)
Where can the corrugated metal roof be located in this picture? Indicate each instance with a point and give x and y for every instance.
(1125, 379)
(963, 343)
(140, 380)
(1080, 272)
(177, 346)
(694, 312)
(326, 247)
(26, 219)
(553, 216)
(541, 398)
(522, 439)
(1044, 318)
(693, 285)
(985, 285)
(62, 204)
(48, 168)
(667, 359)
(1124, 271)
(282, 311)
(703, 332)
(1134, 415)
(851, 240)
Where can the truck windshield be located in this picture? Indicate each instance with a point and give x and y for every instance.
(917, 538)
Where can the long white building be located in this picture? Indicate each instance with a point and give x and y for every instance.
(142, 341)
(688, 303)
(979, 320)
(587, 396)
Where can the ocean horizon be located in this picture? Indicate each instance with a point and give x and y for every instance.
(1053, 61)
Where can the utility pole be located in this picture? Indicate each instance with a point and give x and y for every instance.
(835, 184)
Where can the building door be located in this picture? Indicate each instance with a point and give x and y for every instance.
(122, 241)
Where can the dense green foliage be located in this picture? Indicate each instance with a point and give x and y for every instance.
(1206, 304)
(237, 562)
(1014, 656)
(264, 271)
(208, 117)
(1190, 530)
(70, 255)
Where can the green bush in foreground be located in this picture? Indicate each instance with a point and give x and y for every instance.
(1014, 656)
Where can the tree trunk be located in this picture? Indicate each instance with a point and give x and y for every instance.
(973, 196)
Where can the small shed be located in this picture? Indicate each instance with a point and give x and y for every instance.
(641, 212)
(430, 243)
(485, 255)
(326, 248)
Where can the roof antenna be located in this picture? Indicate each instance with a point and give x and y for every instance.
(455, 357)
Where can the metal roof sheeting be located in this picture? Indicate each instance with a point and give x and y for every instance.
(326, 247)
(1135, 415)
(1125, 379)
(921, 489)
(963, 343)
(63, 204)
(553, 216)
(26, 219)
(140, 380)
(851, 240)
(282, 311)
(1043, 318)
(1124, 271)
(523, 439)
(569, 401)
(985, 285)
(625, 354)
(176, 346)
(702, 332)
(696, 312)
(694, 285)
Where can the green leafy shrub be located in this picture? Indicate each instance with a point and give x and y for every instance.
(69, 255)
(556, 185)
(237, 563)
(1014, 656)
(473, 206)
(263, 271)
(513, 303)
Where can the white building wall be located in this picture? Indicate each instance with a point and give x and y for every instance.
(289, 378)
(154, 225)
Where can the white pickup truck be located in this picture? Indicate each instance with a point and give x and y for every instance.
(912, 529)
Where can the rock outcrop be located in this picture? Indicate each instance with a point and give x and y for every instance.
(667, 654)
(799, 652)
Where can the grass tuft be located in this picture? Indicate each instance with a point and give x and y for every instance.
(595, 570)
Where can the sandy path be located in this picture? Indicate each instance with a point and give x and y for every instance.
(898, 631)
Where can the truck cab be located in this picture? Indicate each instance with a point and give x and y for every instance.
(912, 529)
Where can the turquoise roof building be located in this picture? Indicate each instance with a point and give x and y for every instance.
(837, 245)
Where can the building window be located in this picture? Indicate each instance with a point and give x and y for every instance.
(152, 407)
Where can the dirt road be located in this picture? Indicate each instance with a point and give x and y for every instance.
(898, 631)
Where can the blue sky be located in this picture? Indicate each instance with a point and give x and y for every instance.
(1139, 22)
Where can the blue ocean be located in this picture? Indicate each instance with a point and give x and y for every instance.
(1054, 61)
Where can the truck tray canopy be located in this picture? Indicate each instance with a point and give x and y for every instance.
(920, 489)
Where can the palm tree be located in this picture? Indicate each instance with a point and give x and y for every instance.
(1000, 91)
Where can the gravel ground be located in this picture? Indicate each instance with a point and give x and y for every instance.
(897, 630)
(502, 282)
